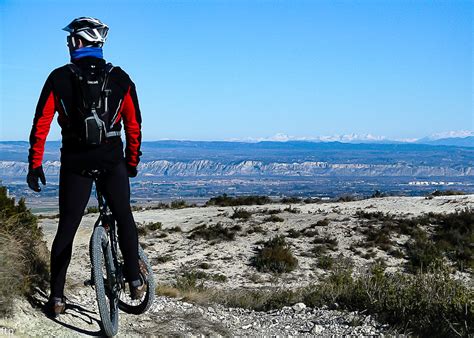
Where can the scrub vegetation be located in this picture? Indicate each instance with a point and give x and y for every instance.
(432, 237)
(24, 256)
(430, 304)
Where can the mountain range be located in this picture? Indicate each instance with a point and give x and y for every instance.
(462, 138)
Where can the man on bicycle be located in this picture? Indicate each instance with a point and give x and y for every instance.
(92, 98)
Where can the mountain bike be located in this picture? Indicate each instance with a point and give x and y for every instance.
(107, 276)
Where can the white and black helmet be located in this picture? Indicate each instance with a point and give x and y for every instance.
(89, 29)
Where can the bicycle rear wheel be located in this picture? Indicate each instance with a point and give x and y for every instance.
(139, 306)
(103, 270)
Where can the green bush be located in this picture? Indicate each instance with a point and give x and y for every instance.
(455, 237)
(374, 215)
(153, 226)
(275, 256)
(422, 252)
(204, 265)
(310, 200)
(292, 233)
(214, 232)
(325, 262)
(447, 192)
(241, 213)
(452, 237)
(322, 223)
(292, 210)
(273, 211)
(178, 204)
(273, 218)
(162, 259)
(328, 242)
(230, 201)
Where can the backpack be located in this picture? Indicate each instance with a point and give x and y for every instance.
(92, 104)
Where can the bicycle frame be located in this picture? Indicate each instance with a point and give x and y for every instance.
(104, 252)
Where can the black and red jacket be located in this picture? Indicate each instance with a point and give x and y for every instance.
(60, 94)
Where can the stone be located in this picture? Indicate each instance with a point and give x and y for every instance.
(299, 307)
(317, 329)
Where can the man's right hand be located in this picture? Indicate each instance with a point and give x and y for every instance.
(132, 171)
(33, 176)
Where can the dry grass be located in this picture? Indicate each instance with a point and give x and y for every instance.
(24, 256)
(11, 266)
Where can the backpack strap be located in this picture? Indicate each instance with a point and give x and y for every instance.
(107, 70)
(80, 80)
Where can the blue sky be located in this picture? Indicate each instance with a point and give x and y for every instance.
(216, 70)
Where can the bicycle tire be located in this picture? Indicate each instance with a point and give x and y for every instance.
(101, 256)
(143, 305)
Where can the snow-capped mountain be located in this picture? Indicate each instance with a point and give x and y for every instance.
(451, 137)
(450, 134)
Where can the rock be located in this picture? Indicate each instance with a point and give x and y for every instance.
(299, 307)
(317, 329)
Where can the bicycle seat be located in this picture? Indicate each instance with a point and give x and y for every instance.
(93, 173)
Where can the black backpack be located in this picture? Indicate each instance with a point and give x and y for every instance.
(92, 103)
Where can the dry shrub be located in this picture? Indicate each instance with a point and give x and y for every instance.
(23, 252)
(214, 232)
(241, 213)
(11, 266)
(273, 218)
(275, 256)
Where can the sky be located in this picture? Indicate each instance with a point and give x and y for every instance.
(239, 69)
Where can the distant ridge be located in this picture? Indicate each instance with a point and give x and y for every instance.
(451, 141)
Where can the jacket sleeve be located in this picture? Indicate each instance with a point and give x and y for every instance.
(132, 121)
(44, 114)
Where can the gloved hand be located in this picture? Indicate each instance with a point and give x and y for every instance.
(132, 171)
(32, 178)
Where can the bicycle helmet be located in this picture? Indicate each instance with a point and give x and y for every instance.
(88, 29)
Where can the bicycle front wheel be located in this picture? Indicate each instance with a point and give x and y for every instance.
(104, 274)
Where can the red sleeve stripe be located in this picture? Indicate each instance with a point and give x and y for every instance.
(132, 129)
(41, 130)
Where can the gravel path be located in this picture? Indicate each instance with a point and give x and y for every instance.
(171, 317)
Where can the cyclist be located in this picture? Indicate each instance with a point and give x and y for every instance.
(89, 141)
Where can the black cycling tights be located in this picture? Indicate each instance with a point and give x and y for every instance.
(74, 193)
